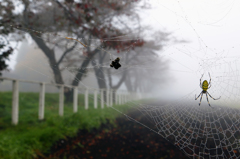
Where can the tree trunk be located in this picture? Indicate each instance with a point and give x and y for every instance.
(100, 79)
(122, 79)
(79, 74)
(68, 92)
(128, 84)
(51, 57)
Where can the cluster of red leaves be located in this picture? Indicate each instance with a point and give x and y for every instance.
(122, 45)
(86, 9)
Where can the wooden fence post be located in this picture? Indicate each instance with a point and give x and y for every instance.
(86, 98)
(61, 100)
(15, 106)
(41, 102)
(95, 99)
(102, 99)
(75, 100)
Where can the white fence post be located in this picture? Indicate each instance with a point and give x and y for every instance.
(95, 99)
(75, 100)
(41, 102)
(15, 99)
(116, 97)
(86, 98)
(111, 97)
(126, 98)
(102, 99)
(119, 99)
(107, 94)
(61, 100)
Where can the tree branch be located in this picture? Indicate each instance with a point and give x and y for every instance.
(65, 53)
(85, 63)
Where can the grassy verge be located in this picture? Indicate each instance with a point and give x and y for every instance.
(31, 135)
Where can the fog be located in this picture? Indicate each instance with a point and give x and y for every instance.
(175, 48)
(210, 29)
(212, 32)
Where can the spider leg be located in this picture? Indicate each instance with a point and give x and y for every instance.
(209, 81)
(201, 81)
(212, 97)
(198, 96)
(208, 100)
(200, 99)
(209, 86)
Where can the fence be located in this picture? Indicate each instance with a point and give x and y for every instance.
(121, 98)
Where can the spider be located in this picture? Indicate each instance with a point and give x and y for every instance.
(205, 87)
(116, 63)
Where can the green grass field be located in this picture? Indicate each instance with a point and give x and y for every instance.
(31, 135)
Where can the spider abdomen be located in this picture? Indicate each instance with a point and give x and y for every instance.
(205, 86)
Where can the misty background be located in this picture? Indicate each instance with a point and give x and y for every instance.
(189, 38)
(166, 49)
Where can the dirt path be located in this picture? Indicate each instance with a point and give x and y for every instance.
(128, 141)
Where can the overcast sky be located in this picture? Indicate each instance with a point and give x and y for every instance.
(212, 29)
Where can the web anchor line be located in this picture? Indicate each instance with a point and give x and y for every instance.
(27, 30)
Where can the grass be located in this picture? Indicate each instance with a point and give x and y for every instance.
(31, 135)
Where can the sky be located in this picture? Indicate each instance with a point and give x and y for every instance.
(211, 29)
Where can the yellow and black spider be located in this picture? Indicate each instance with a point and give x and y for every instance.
(205, 87)
(116, 63)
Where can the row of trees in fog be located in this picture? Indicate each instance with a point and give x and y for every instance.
(90, 19)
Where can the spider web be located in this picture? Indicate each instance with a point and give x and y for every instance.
(202, 131)
(199, 131)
